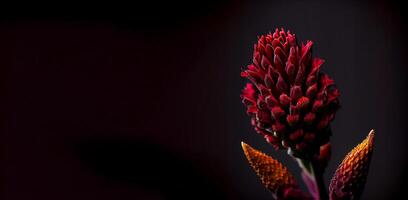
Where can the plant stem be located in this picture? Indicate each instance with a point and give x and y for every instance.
(321, 187)
(316, 176)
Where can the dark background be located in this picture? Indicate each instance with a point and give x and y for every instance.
(122, 101)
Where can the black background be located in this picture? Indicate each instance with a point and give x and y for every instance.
(125, 101)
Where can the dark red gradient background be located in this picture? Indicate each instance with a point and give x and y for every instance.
(121, 101)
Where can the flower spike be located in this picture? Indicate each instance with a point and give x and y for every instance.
(290, 101)
(350, 177)
(275, 176)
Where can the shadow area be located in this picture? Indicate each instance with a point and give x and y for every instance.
(147, 165)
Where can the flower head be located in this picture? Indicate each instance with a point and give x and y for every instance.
(291, 102)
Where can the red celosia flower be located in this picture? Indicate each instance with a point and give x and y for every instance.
(291, 102)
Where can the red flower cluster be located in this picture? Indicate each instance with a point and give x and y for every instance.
(291, 102)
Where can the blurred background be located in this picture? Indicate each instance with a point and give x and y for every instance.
(125, 101)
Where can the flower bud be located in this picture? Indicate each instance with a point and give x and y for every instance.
(350, 177)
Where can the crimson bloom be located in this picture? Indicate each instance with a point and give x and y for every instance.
(290, 101)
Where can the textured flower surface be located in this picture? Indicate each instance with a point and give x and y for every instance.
(273, 175)
(291, 102)
(350, 177)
